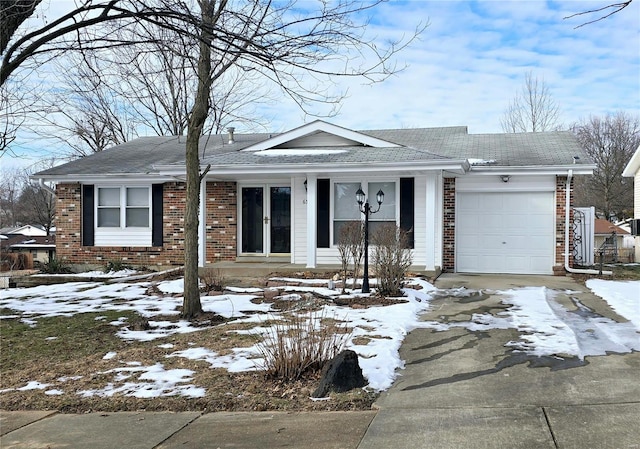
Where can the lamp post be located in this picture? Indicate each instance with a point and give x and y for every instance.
(365, 208)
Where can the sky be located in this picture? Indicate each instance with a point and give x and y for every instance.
(544, 325)
(468, 64)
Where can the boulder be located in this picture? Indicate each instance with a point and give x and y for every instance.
(342, 373)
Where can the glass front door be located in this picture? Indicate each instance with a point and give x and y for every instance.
(266, 220)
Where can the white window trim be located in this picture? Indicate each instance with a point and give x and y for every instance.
(364, 182)
(122, 206)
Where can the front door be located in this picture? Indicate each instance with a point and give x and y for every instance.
(266, 220)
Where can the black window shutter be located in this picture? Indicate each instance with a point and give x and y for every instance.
(88, 203)
(156, 215)
(407, 200)
(323, 212)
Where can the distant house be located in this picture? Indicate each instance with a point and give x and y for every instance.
(27, 230)
(42, 249)
(610, 238)
(632, 170)
(471, 203)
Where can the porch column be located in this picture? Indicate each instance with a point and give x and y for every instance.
(312, 221)
(433, 220)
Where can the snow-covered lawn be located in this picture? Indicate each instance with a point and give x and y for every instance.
(545, 326)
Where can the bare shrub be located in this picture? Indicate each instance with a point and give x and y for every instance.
(300, 344)
(391, 258)
(351, 248)
(212, 278)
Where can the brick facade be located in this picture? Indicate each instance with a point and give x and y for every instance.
(561, 204)
(449, 225)
(69, 239)
(221, 221)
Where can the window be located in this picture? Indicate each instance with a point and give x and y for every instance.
(345, 207)
(123, 205)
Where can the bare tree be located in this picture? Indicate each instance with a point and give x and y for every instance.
(11, 183)
(532, 110)
(601, 13)
(301, 50)
(12, 14)
(610, 141)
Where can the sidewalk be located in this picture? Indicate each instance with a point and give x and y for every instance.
(459, 389)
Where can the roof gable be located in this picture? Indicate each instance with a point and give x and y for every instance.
(319, 134)
(633, 166)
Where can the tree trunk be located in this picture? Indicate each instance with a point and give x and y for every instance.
(191, 305)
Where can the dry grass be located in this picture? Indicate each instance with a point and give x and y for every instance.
(29, 354)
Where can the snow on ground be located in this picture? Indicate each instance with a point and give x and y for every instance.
(623, 297)
(545, 326)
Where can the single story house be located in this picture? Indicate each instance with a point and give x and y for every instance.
(42, 248)
(609, 238)
(632, 170)
(29, 230)
(473, 203)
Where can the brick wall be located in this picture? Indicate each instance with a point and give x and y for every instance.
(449, 225)
(221, 221)
(69, 239)
(561, 204)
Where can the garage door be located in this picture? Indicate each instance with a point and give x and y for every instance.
(505, 232)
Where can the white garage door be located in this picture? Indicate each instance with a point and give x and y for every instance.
(505, 232)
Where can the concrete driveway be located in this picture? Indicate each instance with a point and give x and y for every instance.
(466, 389)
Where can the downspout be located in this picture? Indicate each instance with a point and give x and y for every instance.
(46, 187)
(567, 224)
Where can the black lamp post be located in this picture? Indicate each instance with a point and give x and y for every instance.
(365, 208)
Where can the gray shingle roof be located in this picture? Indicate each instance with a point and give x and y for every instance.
(143, 155)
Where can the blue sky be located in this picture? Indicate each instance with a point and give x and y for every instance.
(470, 61)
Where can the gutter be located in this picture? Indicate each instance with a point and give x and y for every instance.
(566, 234)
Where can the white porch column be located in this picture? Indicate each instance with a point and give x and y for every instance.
(312, 221)
(433, 220)
(202, 236)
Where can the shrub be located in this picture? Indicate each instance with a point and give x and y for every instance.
(115, 265)
(391, 259)
(212, 278)
(56, 266)
(301, 344)
(351, 247)
(16, 261)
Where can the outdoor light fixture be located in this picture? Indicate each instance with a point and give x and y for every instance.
(505, 178)
(365, 208)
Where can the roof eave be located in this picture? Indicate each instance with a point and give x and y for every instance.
(537, 170)
(456, 166)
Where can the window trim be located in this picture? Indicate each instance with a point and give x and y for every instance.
(123, 206)
(364, 183)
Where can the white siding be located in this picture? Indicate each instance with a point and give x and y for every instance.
(419, 221)
(299, 224)
(122, 237)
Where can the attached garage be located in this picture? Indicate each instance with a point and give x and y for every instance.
(504, 231)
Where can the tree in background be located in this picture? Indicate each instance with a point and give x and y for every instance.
(610, 141)
(299, 48)
(532, 110)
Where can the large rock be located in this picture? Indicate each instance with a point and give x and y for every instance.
(342, 373)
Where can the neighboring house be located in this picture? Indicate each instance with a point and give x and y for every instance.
(486, 203)
(41, 248)
(610, 238)
(632, 170)
(24, 230)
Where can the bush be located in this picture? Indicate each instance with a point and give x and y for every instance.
(351, 247)
(301, 344)
(115, 265)
(16, 261)
(391, 258)
(56, 266)
(212, 278)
